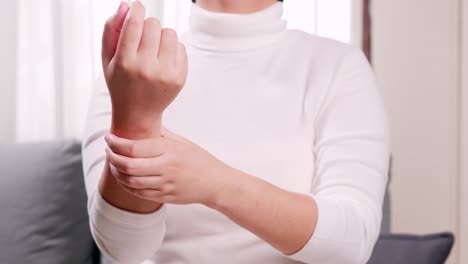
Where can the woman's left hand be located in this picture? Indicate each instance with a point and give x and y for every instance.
(171, 169)
(168, 169)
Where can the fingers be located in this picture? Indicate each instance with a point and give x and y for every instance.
(137, 166)
(149, 45)
(132, 31)
(144, 148)
(135, 182)
(168, 47)
(111, 34)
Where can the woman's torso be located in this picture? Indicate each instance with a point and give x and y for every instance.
(253, 110)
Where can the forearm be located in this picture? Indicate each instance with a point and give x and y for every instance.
(283, 219)
(127, 229)
(115, 195)
(110, 189)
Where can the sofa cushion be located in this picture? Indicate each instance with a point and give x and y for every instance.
(43, 200)
(430, 249)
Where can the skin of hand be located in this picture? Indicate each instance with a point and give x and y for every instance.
(145, 68)
(171, 169)
(147, 167)
(168, 169)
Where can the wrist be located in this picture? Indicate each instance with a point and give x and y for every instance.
(136, 128)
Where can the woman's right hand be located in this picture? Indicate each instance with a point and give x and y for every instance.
(145, 68)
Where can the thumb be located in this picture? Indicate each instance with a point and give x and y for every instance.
(111, 34)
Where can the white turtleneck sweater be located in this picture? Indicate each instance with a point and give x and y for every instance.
(298, 111)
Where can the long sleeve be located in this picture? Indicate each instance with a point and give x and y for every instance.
(122, 236)
(351, 166)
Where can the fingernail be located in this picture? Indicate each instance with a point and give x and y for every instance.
(107, 138)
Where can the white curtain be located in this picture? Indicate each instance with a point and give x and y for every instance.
(59, 53)
(55, 68)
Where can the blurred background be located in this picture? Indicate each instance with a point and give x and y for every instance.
(50, 58)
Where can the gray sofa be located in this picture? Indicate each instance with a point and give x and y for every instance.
(44, 219)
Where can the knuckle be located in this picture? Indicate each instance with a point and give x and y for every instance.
(165, 80)
(129, 167)
(164, 189)
(167, 189)
(168, 78)
(132, 21)
(145, 73)
(122, 63)
(132, 149)
(132, 182)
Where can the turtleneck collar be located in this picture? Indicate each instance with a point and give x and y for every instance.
(235, 32)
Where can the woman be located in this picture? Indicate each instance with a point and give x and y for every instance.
(276, 148)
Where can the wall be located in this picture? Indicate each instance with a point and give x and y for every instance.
(463, 239)
(416, 55)
(7, 70)
(356, 24)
